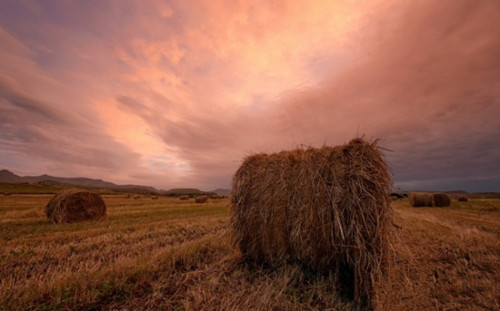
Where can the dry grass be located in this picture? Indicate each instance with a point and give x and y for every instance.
(169, 254)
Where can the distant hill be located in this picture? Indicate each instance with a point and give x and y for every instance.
(46, 183)
(64, 182)
(9, 177)
(220, 191)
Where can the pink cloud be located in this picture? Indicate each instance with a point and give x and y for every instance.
(196, 87)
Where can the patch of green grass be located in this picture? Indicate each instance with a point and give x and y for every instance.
(25, 188)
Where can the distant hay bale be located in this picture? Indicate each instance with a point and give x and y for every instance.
(462, 199)
(75, 205)
(420, 199)
(441, 199)
(328, 207)
(201, 199)
(154, 198)
(184, 197)
(137, 197)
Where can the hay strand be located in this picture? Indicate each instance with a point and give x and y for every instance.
(75, 205)
(328, 207)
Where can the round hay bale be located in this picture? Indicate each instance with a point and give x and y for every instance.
(462, 199)
(201, 199)
(75, 205)
(328, 207)
(184, 197)
(420, 199)
(441, 199)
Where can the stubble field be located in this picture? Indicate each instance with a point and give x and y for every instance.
(168, 254)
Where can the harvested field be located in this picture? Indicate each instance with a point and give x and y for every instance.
(175, 255)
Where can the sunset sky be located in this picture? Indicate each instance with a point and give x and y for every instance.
(177, 93)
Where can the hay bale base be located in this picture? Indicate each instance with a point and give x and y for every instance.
(75, 205)
(328, 208)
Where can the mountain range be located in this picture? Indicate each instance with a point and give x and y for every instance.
(7, 176)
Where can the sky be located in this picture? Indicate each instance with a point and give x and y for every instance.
(177, 93)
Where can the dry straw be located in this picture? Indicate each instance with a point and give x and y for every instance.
(75, 205)
(201, 199)
(328, 207)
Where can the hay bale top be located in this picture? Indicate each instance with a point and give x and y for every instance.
(75, 205)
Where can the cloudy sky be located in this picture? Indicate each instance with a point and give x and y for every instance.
(176, 93)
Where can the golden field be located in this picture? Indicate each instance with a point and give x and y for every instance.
(170, 254)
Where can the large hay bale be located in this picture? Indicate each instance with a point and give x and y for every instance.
(75, 205)
(420, 199)
(328, 208)
(441, 199)
(201, 199)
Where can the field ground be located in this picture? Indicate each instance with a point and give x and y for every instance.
(176, 255)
